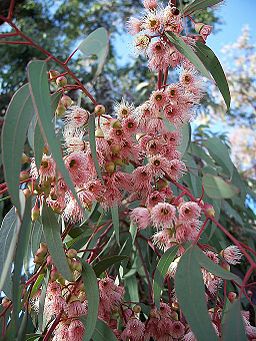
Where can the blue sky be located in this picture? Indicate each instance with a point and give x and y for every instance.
(235, 14)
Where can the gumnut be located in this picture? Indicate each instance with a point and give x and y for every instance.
(232, 296)
(35, 212)
(100, 109)
(6, 302)
(61, 109)
(99, 133)
(209, 211)
(110, 167)
(71, 253)
(53, 74)
(66, 101)
(24, 175)
(61, 81)
(24, 159)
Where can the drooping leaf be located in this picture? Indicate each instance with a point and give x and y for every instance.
(12, 247)
(219, 152)
(212, 267)
(39, 90)
(160, 272)
(96, 44)
(105, 263)
(53, 240)
(132, 286)
(92, 294)
(190, 292)
(216, 188)
(133, 231)
(212, 64)
(102, 332)
(198, 5)
(20, 252)
(188, 52)
(17, 118)
(232, 323)
(91, 128)
(115, 220)
(7, 230)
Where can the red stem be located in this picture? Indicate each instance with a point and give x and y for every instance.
(53, 326)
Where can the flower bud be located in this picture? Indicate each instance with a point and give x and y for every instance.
(35, 212)
(209, 211)
(76, 265)
(61, 109)
(175, 11)
(66, 101)
(5, 302)
(175, 306)
(54, 274)
(115, 148)
(99, 133)
(24, 175)
(71, 253)
(38, 260)
(161, 184)
(49, 260)
(225, 265)
(137, 309)
(110, 167)
(117, 161)
(27, 193)
(24, 159)
(100, 109)
(53, 74)
(174, 316)
(61, 81)
(232, 296)
(116, 124)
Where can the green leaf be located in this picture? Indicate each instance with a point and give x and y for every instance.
(132, 286)
(91, 128)
(105, 263)
(115, 219)
(212, 64)
(102, 332)
(198, 5)
(7, 230)
(212, 267)
(190, 291)
(39, 89)
(161, 270)
(17, 118)
(37, 284)
(133, 231)
(216, 188)
(220, 153)
(20, 252)
(188, 52)
(53, 240)
(232, 323)
(92, 294)
(12, 246)
(96, 44)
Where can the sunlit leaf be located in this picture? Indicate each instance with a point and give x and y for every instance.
(102, 332)
(216, 188)
(212, 64)
(232, 323)
(199, 5)
(187, 52)
(17, 119)
(96, 44)
(39, 90)
(53, 240)
(160, 272)
(190, 291)
(92, 294)
(115, 219)
(105, 263)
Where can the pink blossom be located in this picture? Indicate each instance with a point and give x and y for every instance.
(134, 330)
(129, 125)
(150, 4)
(77, 116)
(75, 309)
(141, 179)
(158, 99)
(189, 211)
(76, 330)
(177, 329)
(163, 215)
(152, 21)
(47, 168)
(205, 31)
(232, 255)
(176, 169)
(158, 56)
(141, 217)
(77, 167)
(134, 25)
